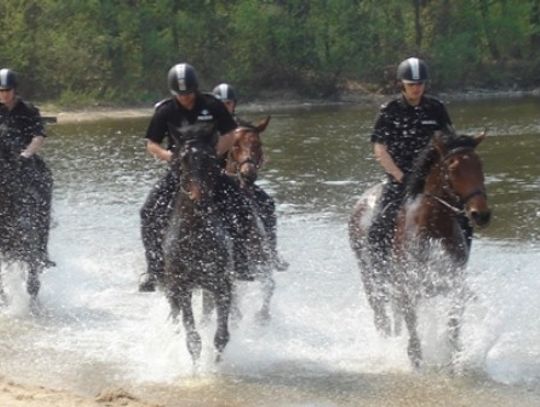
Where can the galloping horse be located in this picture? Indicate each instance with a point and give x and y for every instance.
(429, 250)
(197, 245)
(243, 161)
(25, 190)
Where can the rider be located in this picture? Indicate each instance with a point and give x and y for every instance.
(22, 132)
(264, 202)
(403, 128)
(187, 106)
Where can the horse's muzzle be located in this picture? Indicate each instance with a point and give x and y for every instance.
(480, 218)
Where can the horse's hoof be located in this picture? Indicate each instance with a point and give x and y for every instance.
(148, 284)
(280, 264)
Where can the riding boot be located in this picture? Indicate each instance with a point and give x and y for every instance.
(155, 215)
(267, 212)
(154, 259)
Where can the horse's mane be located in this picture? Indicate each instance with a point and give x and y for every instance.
(429, 156)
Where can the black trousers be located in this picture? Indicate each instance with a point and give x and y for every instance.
(381, 231)
(155, 215)
(37, 201)
(235, 207)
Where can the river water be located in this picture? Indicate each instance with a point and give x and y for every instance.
(320, 349)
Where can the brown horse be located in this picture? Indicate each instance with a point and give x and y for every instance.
(243, 161)
(197, 243)
(429, 249)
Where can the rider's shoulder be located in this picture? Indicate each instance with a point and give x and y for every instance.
(432, 101)
(164, 103)
(28, 107)
(393, 104)
(210, 98)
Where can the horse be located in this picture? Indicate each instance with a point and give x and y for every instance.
(25, 192)
(242, 163)
(197, 246)
(429, 250)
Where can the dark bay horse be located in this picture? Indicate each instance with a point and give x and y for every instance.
(430, 249)
(242, 163)
(25, 191)
(197, 246)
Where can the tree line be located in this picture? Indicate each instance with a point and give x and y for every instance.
(88, 51)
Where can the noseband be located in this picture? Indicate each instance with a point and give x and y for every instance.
(239, 164)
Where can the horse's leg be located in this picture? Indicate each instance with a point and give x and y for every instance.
(223, 302)
(32, 282)
(414, 349)
(377, 299)
(3, 296)
(193, 338)
(454, 325)
(268, 287)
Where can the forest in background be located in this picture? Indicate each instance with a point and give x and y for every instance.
(80, 52)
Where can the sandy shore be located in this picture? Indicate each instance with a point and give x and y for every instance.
(17, 394)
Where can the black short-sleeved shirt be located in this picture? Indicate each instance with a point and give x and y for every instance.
(405, 130)
(170, 114)
(20, 125)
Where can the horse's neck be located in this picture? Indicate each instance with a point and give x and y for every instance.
(432, 214)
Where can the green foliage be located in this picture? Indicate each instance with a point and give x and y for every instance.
(102, 51)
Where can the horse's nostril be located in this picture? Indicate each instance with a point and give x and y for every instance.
(481, 218)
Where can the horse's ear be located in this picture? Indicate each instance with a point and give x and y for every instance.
(261, 126)
(478, 139)
(438, 143)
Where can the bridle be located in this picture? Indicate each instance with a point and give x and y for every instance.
(239, 164)
(458, 209)
(188, 147)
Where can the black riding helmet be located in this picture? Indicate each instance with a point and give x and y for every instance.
(224, 92)
(8, 79)
(412, 70)
(182, 79)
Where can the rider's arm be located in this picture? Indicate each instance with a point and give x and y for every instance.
(386, 161)
(157, 151)
(33, 147)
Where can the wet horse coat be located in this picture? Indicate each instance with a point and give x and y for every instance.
(242, 164)
(197, 245)
(429, 250)
(25, 191)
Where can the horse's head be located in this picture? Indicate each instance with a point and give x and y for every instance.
(246, 155)
(195, 160)
(463, 176)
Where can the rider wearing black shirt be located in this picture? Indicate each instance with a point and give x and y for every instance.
(403, 128)
(22, 134)
(187, 106)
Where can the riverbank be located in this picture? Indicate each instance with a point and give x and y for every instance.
(14, 394)
(273, 103)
